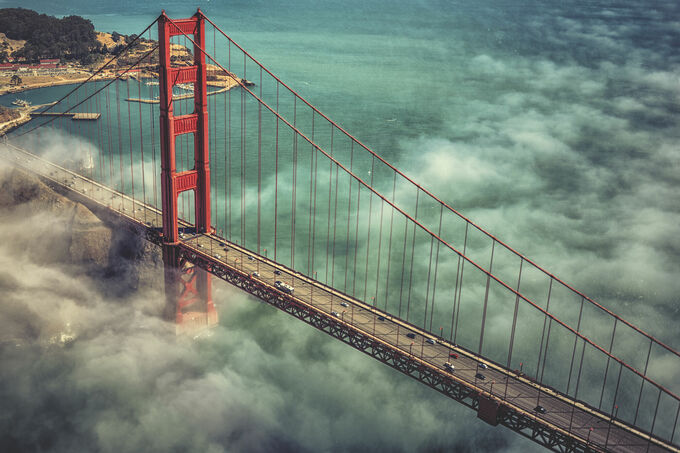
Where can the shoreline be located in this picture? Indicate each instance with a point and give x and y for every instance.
(24, 117)
(25, 112)
(53, 83)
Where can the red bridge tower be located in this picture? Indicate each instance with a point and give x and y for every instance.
(185, 286)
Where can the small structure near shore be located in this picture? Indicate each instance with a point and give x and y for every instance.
(74, 116)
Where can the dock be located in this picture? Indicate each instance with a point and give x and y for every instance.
(179, 97)
(74, 116)
(223, 86)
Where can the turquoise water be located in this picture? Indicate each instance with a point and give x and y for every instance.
(553, 125)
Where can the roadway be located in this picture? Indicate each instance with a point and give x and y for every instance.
(588, 425)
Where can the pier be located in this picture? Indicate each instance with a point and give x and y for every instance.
(74, 116)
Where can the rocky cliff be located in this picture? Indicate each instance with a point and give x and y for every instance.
(63, 231)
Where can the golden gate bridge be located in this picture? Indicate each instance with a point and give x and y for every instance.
(257, 187)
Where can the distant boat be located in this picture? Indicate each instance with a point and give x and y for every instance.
(21, 103)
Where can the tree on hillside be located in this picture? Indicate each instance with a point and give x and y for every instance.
(70, 38)
(16, 80)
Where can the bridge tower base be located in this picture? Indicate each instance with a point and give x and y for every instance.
(188, 292)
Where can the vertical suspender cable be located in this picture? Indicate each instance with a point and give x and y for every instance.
(514, 321)
(120, 147)
(132, 165)
(309, 216)
(436, 264)
(368, 237)
(413, 252)
(108, 123)
(606, 370)
(229, 147)
(293, 195)
(328, 223)
(573, 352)
(213, 161)
(141, 143)
(460, 286)
(335, 225)
(100, 147)
(486, 299)
(276, 175)
(259, 166)
(225, 233)
(389, 245)
(380, 236)
(243, 160)
(349, 215)
(157, 223)
(356, 241)
(316, 158)
(403, 266)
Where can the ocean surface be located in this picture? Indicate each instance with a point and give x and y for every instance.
(554, 125)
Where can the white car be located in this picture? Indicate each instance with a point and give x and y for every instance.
(283, 287)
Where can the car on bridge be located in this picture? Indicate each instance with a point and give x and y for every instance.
(449, 367)
(540, 409)
(277, 272)
(255, 274)
(430, 341)
(283, 287)
(411, 335)
(453, 355)
(480, 376)
(344, 304)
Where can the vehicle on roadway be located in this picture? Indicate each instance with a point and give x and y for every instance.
(453, 355)
(336, 314)
(430, 341)
(540, 409)
(250, 258)
(448, 366)
(480, 376)
(344, 304)
(283, 287)
(411, 335)
(482, 365)
(255, 274)
(277, 272)
(381, 318)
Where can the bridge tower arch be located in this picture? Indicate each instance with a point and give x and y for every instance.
(171, 126)
(188, 289)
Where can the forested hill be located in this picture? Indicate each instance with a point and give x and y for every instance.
(69, 38)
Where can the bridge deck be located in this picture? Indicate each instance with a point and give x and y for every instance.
(567, 425)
